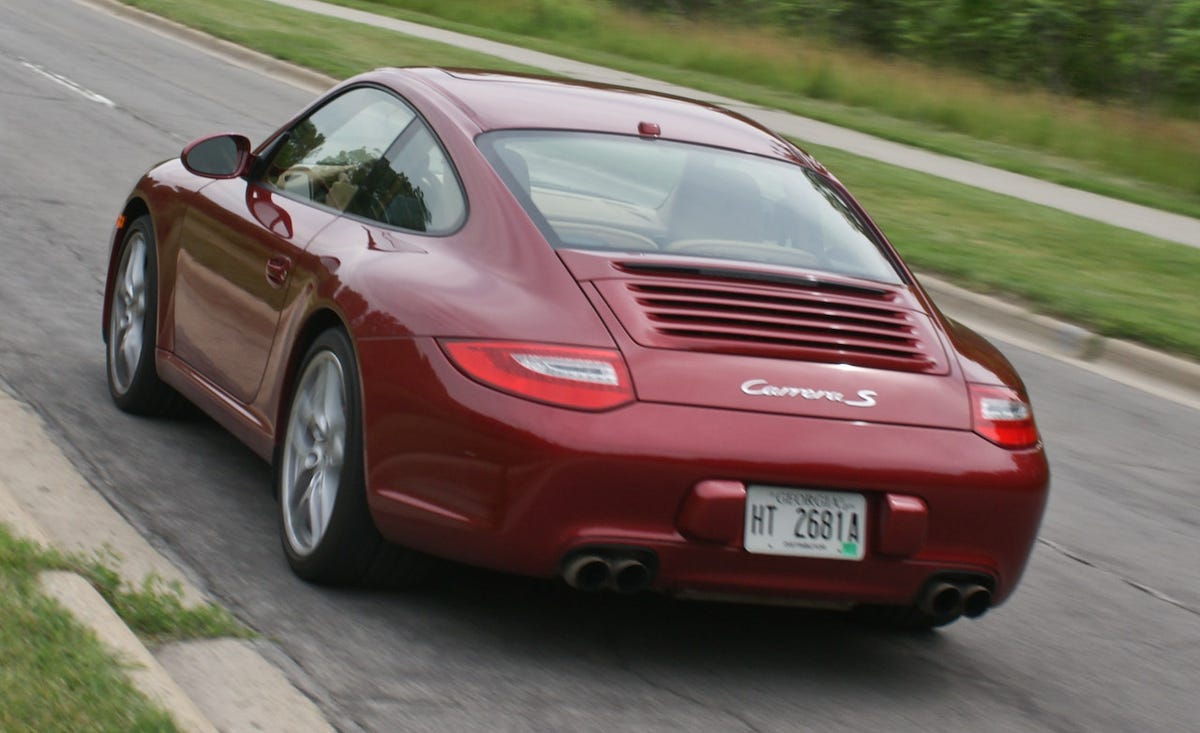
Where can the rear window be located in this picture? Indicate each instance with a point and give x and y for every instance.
(614, 192)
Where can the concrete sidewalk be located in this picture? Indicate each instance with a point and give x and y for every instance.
(1164, 225)
(207, 686)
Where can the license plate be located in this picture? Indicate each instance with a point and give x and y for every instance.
(805, 523)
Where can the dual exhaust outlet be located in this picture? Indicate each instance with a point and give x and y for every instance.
(625, 571)
(632, 570)
(945, 601)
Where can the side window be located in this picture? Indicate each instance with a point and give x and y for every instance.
(414, 187)
(329, 156)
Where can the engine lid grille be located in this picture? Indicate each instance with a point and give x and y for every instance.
(830, 323)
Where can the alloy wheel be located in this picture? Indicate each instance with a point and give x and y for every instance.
(127, 322)
(314, 452)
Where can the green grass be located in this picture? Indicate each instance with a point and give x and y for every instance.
(1135, 155)
(1117, 282)
(155, 610)
(335, 47)
(54, 674)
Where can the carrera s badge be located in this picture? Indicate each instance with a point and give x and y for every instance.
(763, 388)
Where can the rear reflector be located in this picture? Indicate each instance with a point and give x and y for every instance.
(1002, 416)
(566, 376)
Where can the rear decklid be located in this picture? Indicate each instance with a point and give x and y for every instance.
(703, 332)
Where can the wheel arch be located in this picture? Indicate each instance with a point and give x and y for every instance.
(317, 322)
(134, 209)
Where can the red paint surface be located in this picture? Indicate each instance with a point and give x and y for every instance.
(470, 473)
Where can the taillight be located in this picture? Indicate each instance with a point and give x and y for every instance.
(1000, 415)
(567, 376)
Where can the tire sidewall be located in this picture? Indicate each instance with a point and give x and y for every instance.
(351, 532)
(144, 375)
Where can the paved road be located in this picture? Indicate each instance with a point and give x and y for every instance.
(1104, 635)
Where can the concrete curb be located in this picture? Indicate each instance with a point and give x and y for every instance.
(237, 688)
(206, 685)
(1164, 375)
(88, 607)
(246, 58)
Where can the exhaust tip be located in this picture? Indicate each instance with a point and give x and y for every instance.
(630, 576)
(622, 568)
(587, 572)
(976, 601)
(943, 601)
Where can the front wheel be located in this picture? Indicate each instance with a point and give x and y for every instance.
(130, 332)
(327, 531)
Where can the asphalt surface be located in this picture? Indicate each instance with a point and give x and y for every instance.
(1104, 634)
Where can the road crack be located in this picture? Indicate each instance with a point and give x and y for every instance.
(1152, 592)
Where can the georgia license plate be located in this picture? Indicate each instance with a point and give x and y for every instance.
(805, 523)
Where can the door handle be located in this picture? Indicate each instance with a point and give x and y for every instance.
(278, 268)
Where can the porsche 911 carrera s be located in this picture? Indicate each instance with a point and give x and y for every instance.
(567, 330)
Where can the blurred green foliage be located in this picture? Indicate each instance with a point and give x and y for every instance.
(1138, 50)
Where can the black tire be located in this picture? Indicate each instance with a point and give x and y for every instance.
(339, 545)
(130, 332)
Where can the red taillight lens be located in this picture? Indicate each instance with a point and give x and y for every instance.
(1000, 415)
(567, 376)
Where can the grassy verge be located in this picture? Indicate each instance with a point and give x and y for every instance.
(54, 675)
(1131, 154)
(1117, 282)
(1113, 281)
(335, 47)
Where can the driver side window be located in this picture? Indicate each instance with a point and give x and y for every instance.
(327, 157)
(414, 187)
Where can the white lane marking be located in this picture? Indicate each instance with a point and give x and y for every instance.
(59, 79)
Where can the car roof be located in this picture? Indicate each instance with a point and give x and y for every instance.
(506, 101)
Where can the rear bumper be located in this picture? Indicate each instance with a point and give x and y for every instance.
(465, 472)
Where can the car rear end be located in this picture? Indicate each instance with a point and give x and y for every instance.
(780, 415)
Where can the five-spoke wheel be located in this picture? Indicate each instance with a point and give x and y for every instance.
(328, 533)
(314, 452)
(132, 379)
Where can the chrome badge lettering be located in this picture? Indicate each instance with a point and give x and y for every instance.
(763, 388)
(866, 398)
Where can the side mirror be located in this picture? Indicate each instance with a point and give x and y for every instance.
(218, 156)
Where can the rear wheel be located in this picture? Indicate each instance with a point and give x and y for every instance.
(327, 531)
(130, 332)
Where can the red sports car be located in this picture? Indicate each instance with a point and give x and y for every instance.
(562, 329)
